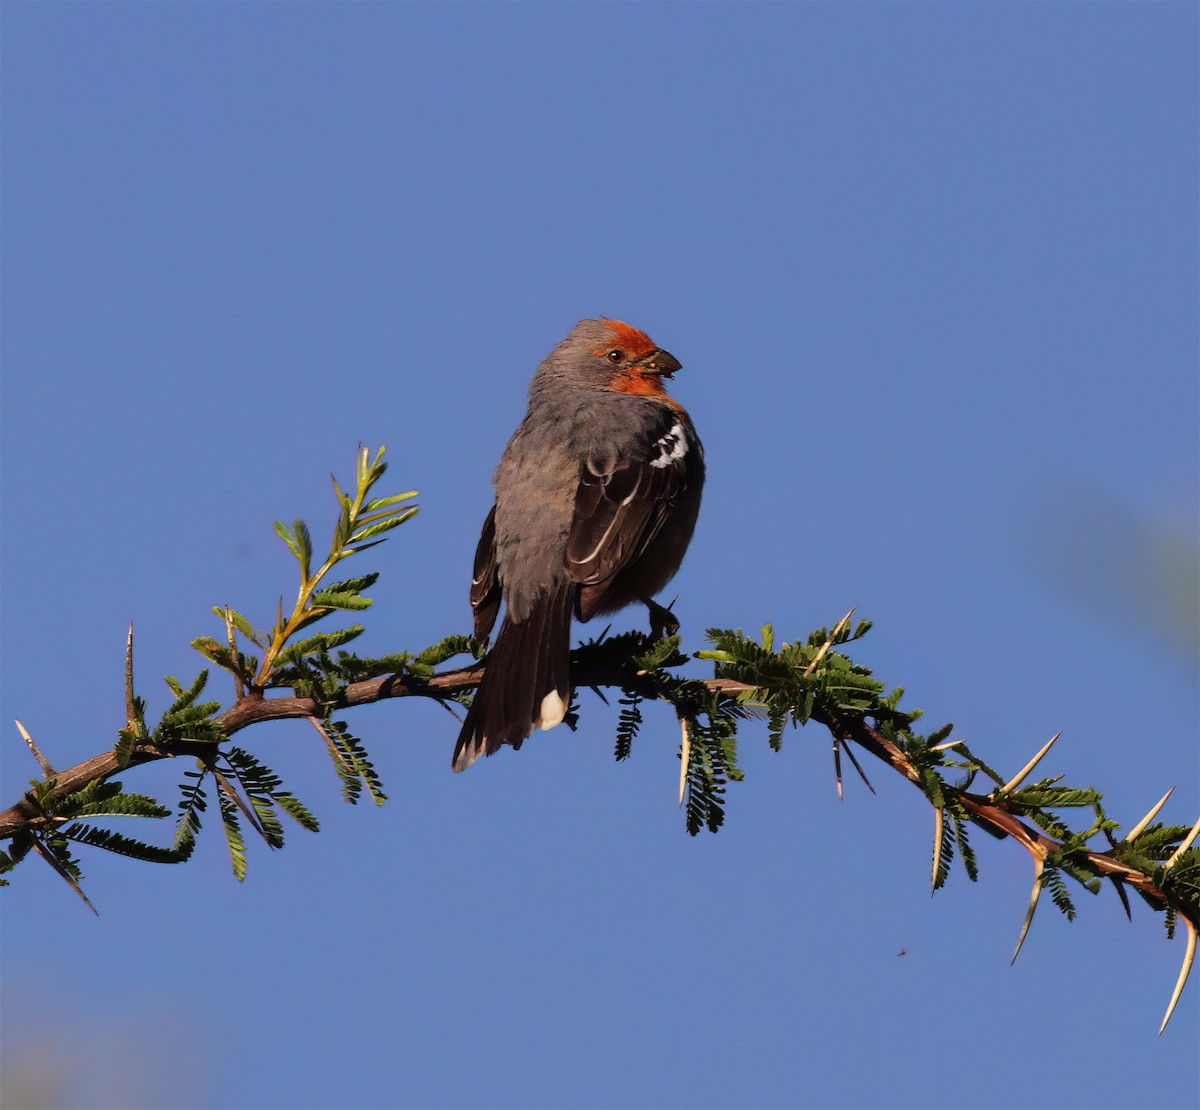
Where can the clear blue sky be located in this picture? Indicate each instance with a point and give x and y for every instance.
(932, 273)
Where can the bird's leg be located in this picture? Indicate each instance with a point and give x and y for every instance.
(662, 621)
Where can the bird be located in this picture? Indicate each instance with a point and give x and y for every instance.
(597, 495)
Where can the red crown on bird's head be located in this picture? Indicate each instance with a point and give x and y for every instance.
(633, 341)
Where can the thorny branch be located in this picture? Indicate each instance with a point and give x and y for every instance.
(253, 708)
(288, 662)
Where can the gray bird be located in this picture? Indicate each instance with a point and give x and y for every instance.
(597, 495)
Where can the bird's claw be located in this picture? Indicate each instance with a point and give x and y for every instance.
(662, 621)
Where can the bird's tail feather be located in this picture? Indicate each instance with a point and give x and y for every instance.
(526, 683)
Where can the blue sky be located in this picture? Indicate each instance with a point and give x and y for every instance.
(932, 274)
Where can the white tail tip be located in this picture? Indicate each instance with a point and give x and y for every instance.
(552, 711)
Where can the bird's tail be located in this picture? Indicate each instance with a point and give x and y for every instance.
(527, 681)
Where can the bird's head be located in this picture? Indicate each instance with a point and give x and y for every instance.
(611, 355)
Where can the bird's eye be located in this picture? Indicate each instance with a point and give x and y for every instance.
(615, 356)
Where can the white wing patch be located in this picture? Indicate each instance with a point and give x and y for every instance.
(671, 447)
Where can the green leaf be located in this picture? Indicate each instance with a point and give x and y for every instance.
(661, 653)
(352, 764)
(263, 789)
(934, 787)
(332, 600)
(243, 625)
(1053, 797)
(777, 719)
(353, 585)
(438, 653)
(126, 846)
(185, 698)
(965, 852)
(941, 735)
(185, 721)
(378, 528)
(1053, 882)
(270, 827)
(303, 549)
(713, 757)
(127, 741)
(386, 502)
(628, 723)
(108, 799)
(192, 803)
(288, 537)
(216, 652)
(292, 806)
(353, 668)
(324, 643)
(233, 834)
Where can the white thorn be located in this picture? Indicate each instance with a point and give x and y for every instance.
(684, 756)
(1039, 866)
(939, 821)
(828, 643)
(1189, 958)
(43, 762)
(1023, 773)
(1187, 843)
(947, 744)
(1144, 823)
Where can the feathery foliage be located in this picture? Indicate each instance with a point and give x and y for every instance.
(300, 667)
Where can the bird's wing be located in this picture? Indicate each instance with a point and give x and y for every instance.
(485, 582)
(621, 505)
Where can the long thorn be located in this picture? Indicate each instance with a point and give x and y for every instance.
(858, 767)
(1144, 823)
(837, 628)
(1119, 887)
(1039, 865)
(64, 874)
(1023, 773)
(43, 762)
(947, 745)
(236, 798)
(1187, 843)
(837, 766)
(130, 707)
(333, 748)
(238, 688)
(1189, 957)
(446, 706)
(684, 755)
(939, 823)
(827, 644)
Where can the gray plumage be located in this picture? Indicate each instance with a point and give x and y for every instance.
(597, 495)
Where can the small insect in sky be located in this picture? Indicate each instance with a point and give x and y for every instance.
(902, 952)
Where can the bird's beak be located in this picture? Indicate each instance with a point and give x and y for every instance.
(660, 362)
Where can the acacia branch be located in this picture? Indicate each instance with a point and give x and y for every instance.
(805, 682)
(254, 708)
(250, 709)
